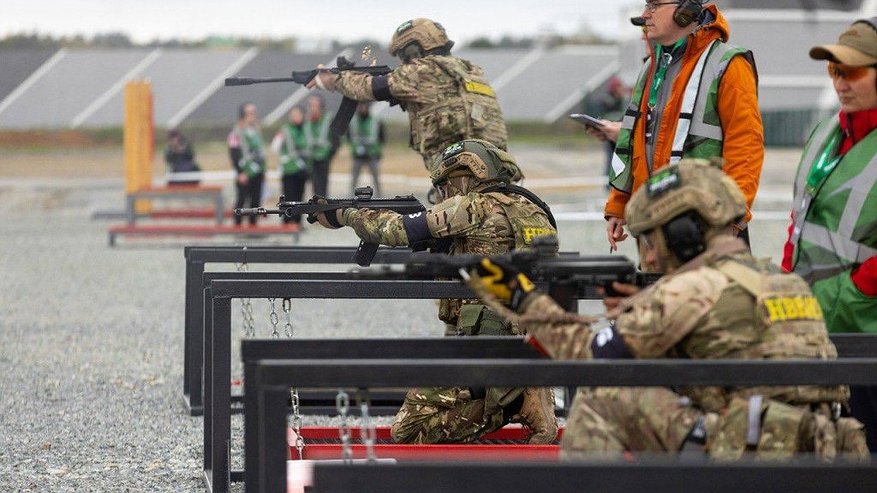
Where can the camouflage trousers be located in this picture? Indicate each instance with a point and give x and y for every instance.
(612, 420)
(450, 414)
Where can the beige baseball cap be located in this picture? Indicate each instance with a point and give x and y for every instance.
(857, 46)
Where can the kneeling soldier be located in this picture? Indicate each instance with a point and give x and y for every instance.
(716, 302)
(480, 213)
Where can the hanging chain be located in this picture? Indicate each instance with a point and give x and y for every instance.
(367, 432)
(249, 323)
(293, 392)
(342, 403)
(274, 318)
(287, 310)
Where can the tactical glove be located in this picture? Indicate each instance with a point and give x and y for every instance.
(504, 281)
(329, 219)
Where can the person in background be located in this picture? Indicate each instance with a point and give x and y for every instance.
(833, 236)
(290, 145)
(696, 97)
(319, 145)
(180, 158)
(366, 138)
(247, 152)
(611, 108)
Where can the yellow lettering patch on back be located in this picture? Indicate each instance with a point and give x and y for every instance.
(530, 233)
(783, 309)
(480, 88)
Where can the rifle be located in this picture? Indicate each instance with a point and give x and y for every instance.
(348, 106)
(362, 199)
(569, 276)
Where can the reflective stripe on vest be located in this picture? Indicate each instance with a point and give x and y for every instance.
(693, 128)
(319, 141)
(839, 244)
(367, 138)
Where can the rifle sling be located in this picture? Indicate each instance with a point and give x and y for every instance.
(529, 195)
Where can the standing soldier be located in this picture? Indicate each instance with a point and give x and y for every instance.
(716, 302)
(291, 147)
(247, 151)
(448, 99)
(366, 136)
(320, 146)
(481, 213)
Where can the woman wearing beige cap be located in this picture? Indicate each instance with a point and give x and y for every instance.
(833, 236)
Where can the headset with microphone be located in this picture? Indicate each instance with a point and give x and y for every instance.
(686, 12)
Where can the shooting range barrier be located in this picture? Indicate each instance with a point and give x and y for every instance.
(217, 336)
(272, 379)
(210, 193)
(197, 281)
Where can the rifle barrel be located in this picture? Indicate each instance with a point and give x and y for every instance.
(246, 81)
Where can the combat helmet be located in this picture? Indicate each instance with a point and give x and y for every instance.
(689, 202)
(476, 158)
(418, 37)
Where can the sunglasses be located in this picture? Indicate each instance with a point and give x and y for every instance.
(845, 72)
(653, 6)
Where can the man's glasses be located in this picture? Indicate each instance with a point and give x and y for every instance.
(653, 6)
(845, 72)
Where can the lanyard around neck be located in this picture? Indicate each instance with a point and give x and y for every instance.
(825, 163)
(663, 60)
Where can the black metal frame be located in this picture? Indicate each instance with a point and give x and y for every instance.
(654, 476)
(217, 338)
(196, 282)
(272, 379)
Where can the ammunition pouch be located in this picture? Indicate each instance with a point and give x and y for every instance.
(477, 319)
(775, 430)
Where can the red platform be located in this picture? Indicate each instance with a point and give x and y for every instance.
(187, 214)
(199, 230)
(508, 443)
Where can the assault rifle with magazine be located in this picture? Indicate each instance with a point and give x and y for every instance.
(348, 106)
(568, 276)
(362, 199)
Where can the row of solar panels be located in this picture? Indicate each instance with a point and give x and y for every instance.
(84, 88)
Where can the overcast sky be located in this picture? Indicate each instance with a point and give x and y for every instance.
(345, 20)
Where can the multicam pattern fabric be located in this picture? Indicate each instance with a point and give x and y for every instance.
(448, 99)
(706, 313)
(478, 224)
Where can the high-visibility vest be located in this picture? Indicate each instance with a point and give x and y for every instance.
(699, 129)
(365, 137)
(835, 228)
(317, 137)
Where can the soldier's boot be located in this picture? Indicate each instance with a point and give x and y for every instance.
(537, 413)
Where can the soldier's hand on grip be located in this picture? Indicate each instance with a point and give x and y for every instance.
(329, 219)
(617, 291)
(503, 281)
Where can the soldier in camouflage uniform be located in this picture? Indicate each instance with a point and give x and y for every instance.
(448, 99)
(716, 302)
(481, 213)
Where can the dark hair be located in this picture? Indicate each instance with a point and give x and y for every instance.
(242, 109)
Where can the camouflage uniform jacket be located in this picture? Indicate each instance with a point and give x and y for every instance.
(447, 99)
(705, 313)
(485, 224)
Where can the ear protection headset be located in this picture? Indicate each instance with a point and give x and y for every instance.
(687, 12)
(684, 236)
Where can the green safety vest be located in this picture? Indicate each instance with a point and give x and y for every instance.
(835, 229)
(699, 130)
(252, 149)
(319, 146)
(365, 137)
(292, 156)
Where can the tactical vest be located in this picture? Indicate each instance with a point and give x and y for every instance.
(365, 137)
(317, 138)
(461, 105)
(834, 229)
(292, 159)
(698, 129)
(252, 150)
(788, 324)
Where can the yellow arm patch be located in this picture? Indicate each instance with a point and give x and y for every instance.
(479, 88)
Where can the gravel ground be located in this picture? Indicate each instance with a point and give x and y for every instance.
(91, 338)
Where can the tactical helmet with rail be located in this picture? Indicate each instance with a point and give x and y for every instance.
(419, 37)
